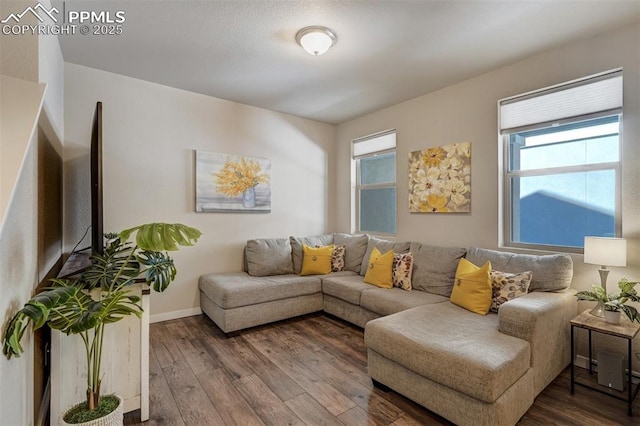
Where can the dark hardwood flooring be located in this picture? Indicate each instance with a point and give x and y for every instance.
(310, 370)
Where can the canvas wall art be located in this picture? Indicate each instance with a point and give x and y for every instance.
(440, 179)
(232, 183)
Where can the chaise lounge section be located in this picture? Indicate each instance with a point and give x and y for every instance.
(236, 301)
(469, 368)
(475, 369)
(270, 289)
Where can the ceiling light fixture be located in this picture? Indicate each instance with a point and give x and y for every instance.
(316, 40)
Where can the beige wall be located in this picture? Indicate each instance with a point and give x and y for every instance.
(149, 135)
(19, 54)
(468, 112)
(18, 278)
(30, 236)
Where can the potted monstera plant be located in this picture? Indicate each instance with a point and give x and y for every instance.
(615, 303)
(99, 297)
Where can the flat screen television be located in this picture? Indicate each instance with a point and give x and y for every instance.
(79, 259)
(96, 182)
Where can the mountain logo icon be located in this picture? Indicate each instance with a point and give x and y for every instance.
(38, 11)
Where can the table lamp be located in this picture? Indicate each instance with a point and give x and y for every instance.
(605, 252)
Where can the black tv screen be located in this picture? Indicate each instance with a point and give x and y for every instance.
(96, 182)
(79, 259)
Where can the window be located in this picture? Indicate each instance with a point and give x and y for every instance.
(561, 156)
(375, 165)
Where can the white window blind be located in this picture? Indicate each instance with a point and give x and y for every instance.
(589, 96)
(377, 143)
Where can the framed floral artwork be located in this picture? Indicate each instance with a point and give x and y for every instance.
(440, 179)
(232, 183)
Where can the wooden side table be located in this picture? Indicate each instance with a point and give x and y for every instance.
(625, 330)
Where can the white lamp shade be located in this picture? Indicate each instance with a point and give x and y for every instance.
(316, 40)
(605, 251)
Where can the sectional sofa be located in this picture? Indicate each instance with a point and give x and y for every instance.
(471, 369)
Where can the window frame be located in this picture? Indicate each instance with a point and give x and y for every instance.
(507, 239)
(508, 223)
(358, 186)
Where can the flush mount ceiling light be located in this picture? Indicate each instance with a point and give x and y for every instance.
(316, 40)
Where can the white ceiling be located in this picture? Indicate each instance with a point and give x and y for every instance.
(387, 51)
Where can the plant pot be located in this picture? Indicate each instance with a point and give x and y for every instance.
(114, 418)
(612, 317)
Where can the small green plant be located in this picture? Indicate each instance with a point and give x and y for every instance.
(615, 302)
(101, 295)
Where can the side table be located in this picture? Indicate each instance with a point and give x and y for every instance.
(625, 330)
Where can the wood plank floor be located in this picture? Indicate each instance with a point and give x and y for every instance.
(310, 370)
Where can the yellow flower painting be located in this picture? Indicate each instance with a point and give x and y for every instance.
(236, 177)
(232, 183)
(440, 179)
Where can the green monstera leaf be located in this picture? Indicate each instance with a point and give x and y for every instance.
(117, 266)
(60, 307)
(162, 236)
(160, 270)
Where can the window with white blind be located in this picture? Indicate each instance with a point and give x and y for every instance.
(375, 165)
(561, 164)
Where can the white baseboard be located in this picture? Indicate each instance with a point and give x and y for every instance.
(166, 316)
(583, 361)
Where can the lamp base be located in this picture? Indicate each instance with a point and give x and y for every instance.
(598, 311)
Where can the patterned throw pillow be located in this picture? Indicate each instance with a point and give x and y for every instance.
(402, 268)
(507, 286)
(337, 258)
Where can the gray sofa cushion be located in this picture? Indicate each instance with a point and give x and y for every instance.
(434, 268)
(355, 247)
(346, 288)
(296, 247)
(549, 272)
(452, 346)
(384, 246)
(237, 289)
(387, 301)
(269, 257)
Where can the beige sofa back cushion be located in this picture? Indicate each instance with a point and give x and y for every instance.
(549, 272)
(434, 268)
(269, 257)
(355, 247)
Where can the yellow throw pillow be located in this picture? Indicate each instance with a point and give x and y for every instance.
(380, 269)
(316, 260)
(472, 287)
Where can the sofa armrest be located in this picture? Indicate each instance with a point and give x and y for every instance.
(542, 319)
